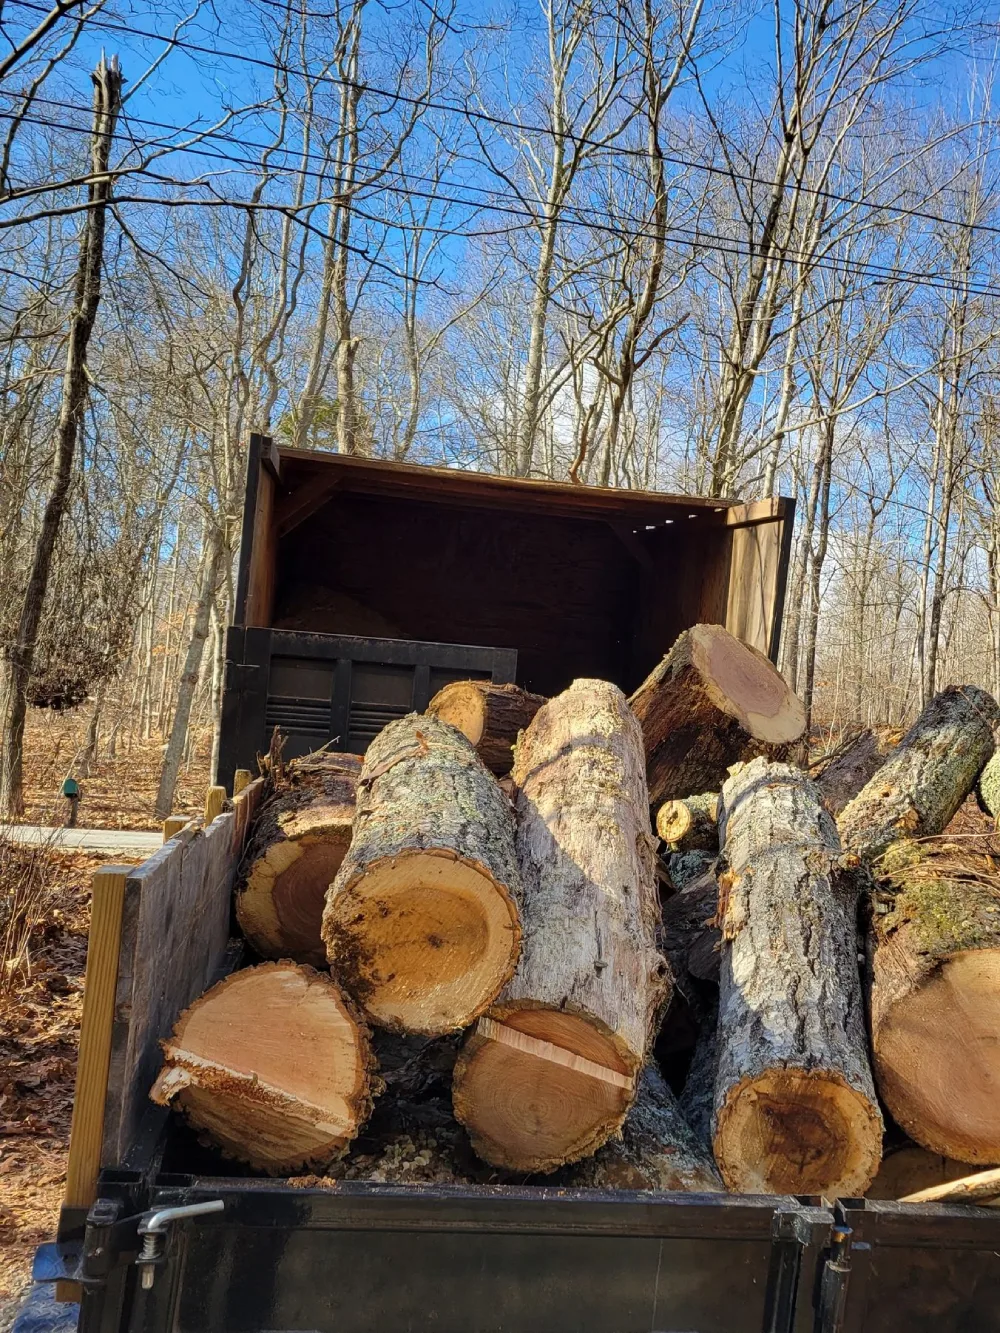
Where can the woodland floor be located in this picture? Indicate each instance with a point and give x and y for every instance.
(40, 1006)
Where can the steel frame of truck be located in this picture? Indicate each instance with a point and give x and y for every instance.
(158, 1235)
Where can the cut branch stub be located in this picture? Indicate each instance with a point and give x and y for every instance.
(271, 1066)
(549, 1076)
(690, 824)
(489, 716)
(300, 839)
(711, 702)
(422, 922)
(795, 1107)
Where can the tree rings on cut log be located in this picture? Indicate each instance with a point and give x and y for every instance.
(547, 1078)
(489, 716)
(711, 702)
(272, 1066)
(299, 842)
(690, 824)
(795, 1106)
(422, 922)
(935, 998)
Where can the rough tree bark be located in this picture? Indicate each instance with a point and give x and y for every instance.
(422, 921)
(710, 703)
(16, 664)
(300, 838)
(917, 791)
(795, 1106)
(489, 716)
(549, 1077)
(850, 770)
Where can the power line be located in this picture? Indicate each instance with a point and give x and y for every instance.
(499, 122)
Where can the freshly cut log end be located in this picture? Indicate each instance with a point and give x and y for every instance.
(272, 1067)
(919, 788)
(489, 716)
(300, 840)
(550, 1076)
(657, 1149)
(711, 702)
(422, 922)
(795, 1106)
(935, 999)
(692, 824)
(536, 1088)
(797, 1131)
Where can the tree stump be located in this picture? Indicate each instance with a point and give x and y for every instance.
(935, 997)
(489, 716)
(272, 1066)
(550, 1075)
(421, 923)
(301, 836)
(690, 824)
(713, 701)
(795, 1107)
(918, 789)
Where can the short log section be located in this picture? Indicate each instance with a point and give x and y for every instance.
(795, 1107)
(301, 837)
(918, 789)
(690, 824)
(272, 1067)
(489, 716)
(548, 1077)
(422, 922)
(711, 702)
(935, 998)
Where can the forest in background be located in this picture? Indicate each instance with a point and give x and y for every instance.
(688, 246)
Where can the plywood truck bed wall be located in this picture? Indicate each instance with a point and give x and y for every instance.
(438, 575)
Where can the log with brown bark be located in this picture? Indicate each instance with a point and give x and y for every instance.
(489, 716)
(935, 996)
(273, 1066)
(690, 933)
(690, 824)
(548, 1077)
(300, 838)
(713, 701)
(657, 1150)
(795, 1106)
(918, 789)
(853, 765)
(422, 923)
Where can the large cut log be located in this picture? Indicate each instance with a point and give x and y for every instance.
(712, 702)
(421, 924)
(906, 1169)
(918, 789)
(935, 997)
(300, 838)
(490, 716)
(657, 1149)
(690, 824)
(697, 1099)
(855, 763)
(795, 1107)
(550, 1075)
(691, 936)
(272, 1066)
(988, 786)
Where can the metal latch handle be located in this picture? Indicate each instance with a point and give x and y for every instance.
(154, 1227)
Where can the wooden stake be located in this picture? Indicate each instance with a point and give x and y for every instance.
(241, 780)
(173, 824)
(215, 799)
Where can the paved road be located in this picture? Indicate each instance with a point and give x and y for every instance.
(122, 843)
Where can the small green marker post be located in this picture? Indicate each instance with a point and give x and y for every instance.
(71, 791)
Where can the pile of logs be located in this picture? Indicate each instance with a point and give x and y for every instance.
(482, 965)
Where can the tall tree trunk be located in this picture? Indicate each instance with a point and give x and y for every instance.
(15, 668)
(188, 684)
(824, 468)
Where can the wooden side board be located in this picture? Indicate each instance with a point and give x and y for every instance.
(758, 569)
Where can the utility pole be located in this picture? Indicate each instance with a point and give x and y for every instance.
(17, 660)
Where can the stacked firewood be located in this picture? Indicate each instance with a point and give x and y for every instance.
(479, 966)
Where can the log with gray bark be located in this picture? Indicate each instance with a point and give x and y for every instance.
(935, 996)
(711, 702)
(919, 788)
(690, 824)
(988, 787)
(549, 1075)
(422, 922)
(300, 837)
(795, 1106)
(490, 716)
